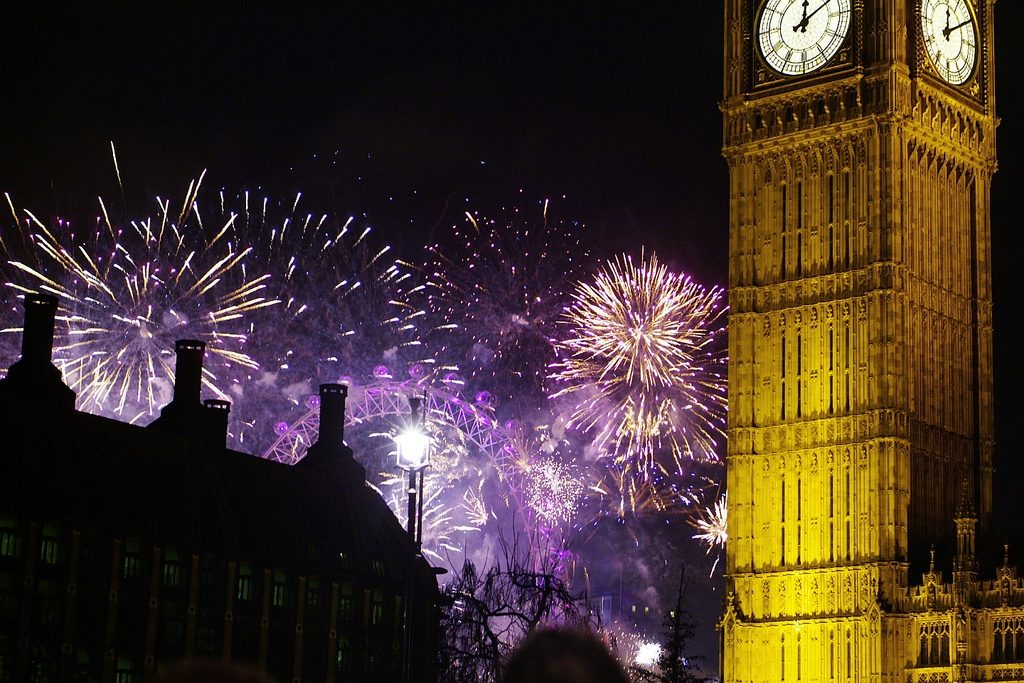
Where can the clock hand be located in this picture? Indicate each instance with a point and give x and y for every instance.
(803, 20)
(807, 17)
(950, 29)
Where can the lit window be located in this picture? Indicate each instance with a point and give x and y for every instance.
(344, 655)
(377, 611)
(171, 572)
(10, 538)
(132, 563)
(245, 584)
(345, 603)
(127, 672)
(313, 594)
(49, 546)
(280, 589)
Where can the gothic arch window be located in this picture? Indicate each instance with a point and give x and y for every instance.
(799, 668)
(785, 227)
(831, 515)
(782, 374)
(849, 512)
(831, 655)
(782, 518)
(847, 217)
(846, 366)
(799, 372)
(1008, 639)
(799, 228)
(830, 199)
(831, 369)
(799, 516)
(934, 644)
(782, 658)
(849, 655)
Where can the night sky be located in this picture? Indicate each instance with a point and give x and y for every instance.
(414, 116)
(615, 110)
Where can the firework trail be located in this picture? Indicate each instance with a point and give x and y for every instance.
(340, 312)
(128, 290)
(643, 365)
(622, 492)
(712, 524)
(496, 294)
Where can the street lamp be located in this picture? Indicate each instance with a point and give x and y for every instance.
(412, 447)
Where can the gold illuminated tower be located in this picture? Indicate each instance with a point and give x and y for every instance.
(860, 140)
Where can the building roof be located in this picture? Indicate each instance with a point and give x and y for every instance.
(173, 483)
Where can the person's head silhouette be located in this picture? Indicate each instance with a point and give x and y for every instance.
(562, 656)
(213, 671)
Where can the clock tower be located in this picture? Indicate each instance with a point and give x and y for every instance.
(860, 140)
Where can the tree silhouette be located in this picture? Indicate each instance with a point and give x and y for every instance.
(485, 616)
(674, 664)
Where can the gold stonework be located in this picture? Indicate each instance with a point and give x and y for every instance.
(861, 418)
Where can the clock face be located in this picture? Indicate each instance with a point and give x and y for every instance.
(800, 36)
(950, 38)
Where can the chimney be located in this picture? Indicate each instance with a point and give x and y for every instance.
(215, 416)
(188, 370)
(37, 338)
(184, 414)
(332, 414)
(33, 376)
(330, 452)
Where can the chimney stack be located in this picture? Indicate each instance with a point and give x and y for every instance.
(188, 371)
(184, 414)
(215, 415)
(33, 376)
(332, 414)
(37, 338)
(329, 458)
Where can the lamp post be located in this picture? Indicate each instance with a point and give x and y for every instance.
(412, 447)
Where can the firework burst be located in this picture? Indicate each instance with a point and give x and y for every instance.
(340, 312)
(642, 364)
(496, 294)
(712, 525)
(554, 490)
(129, 289)
(455, 505)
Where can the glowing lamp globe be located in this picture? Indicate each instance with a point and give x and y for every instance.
(413, 449)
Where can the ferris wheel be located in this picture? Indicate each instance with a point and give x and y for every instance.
(386, 397)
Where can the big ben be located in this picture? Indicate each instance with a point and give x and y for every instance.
(860, 141)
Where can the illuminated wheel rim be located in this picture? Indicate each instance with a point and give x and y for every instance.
(385, 397)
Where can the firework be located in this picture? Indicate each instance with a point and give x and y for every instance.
(647, 653)
(339, 315)
(128, 290)
(463, 493)
(554, 490)
(642, 364)
(496, 294)
(621, 492)
(454, 506)
(712, 524)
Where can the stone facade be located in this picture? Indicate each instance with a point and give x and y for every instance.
(861, 421)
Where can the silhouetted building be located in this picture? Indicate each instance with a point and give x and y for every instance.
(124, 549)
